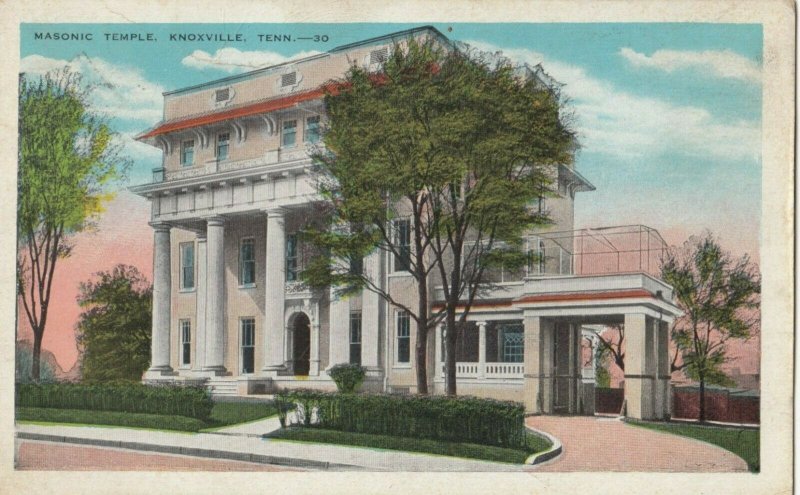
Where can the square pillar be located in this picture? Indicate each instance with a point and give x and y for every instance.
(663, 375)
(275, 283)
(572, 394)
(532, 359)
(547, 356)
(639, 366)
(371, 316)
(339, 330)
(481, 349)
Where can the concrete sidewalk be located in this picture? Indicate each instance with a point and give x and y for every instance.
(243, 443)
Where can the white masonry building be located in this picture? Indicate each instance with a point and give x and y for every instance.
(230, 313)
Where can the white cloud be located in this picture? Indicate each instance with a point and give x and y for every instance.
(720, 63)
(233, 60)
(614, 122)
(115, 90)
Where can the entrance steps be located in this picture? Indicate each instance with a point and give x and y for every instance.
(223, 386)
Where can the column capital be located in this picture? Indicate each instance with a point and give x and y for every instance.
(160, 226)
(201, 237)
(275, 211)
(215, 221)
(480, 323)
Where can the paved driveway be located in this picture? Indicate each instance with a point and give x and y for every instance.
(607, 444)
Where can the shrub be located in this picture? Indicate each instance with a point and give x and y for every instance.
(348, 377)
(192, 402)
(455, 419)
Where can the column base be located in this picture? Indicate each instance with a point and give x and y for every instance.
(274, 371)
(159, 373)
(313, 368)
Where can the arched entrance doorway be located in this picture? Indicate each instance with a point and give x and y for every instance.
(301, 344)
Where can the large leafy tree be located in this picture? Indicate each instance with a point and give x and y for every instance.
(720, 297)
(114, 327)
(67, 156)
(458, 143)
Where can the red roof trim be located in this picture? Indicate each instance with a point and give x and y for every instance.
(254, 109)
(576, 296)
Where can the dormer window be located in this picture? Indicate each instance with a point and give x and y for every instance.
(289, 79)
(187, 152)
(223, 140)
(222, 95)
(378, 56)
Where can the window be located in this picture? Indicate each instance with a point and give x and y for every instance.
(222, 95)
(289, 135)
(186, 342)
(513, 343)
(289, 79)
(223, 141)
(187, 152)
(355, 337)
(248, 343)
(291, 257)
(378, 56)
(402, 239)
(536, 258)
(247, 262)
(403, 337)
(187, 265)
(311, 134)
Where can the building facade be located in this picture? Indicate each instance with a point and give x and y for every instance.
(229, 311)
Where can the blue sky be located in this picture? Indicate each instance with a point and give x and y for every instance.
(669, 115)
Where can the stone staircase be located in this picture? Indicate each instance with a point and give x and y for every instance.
(223, 386)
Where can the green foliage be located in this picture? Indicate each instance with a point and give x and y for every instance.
(113, 331)
(348, 377)
(67, 158)
(109, 418)
(23, 361)
(720, 299)
(455, 449)
(231, 413)
(602, 357)
(457, 142)
(454, 419)
(192, 402)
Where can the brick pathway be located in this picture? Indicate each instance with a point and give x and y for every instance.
(607, 444)
(48, 456)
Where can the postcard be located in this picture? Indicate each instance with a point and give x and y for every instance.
(502, 246)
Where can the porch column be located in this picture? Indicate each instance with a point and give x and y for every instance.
(162, 296)
(438, 362)
(662, 373)
(481, 349)
(533, 364)
(215, 295)
(313, 361)
(573, 393)
(200, 311)
(371, 313)
(339, 330)
(548, 329)
(639, 366)
(274, 292)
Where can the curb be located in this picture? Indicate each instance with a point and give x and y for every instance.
(190, 451)
(556, 450)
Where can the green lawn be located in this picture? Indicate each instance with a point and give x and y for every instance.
(742, 442)
(455, 449)
(223, 414)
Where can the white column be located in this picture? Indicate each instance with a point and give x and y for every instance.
(438, 362)
(200, 312)
(481, 349)
(371, 313)
(215, 295)
(313, 362)
(162, 295)
(339, 330)
(533, 365)
(638, 371)
(275, 286)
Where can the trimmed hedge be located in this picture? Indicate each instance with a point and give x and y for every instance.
(348, 377)
(192, 402)
(453, 419)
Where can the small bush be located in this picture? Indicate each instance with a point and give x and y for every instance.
(348, 377)
(192, 402)
(454, 419)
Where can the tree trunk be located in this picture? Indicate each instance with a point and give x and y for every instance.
(37, 354)
(422, 360)
(450, 354)
(702, 399)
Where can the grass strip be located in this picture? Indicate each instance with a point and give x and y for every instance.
(234, 413)
(742, 442)
(453, 449)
